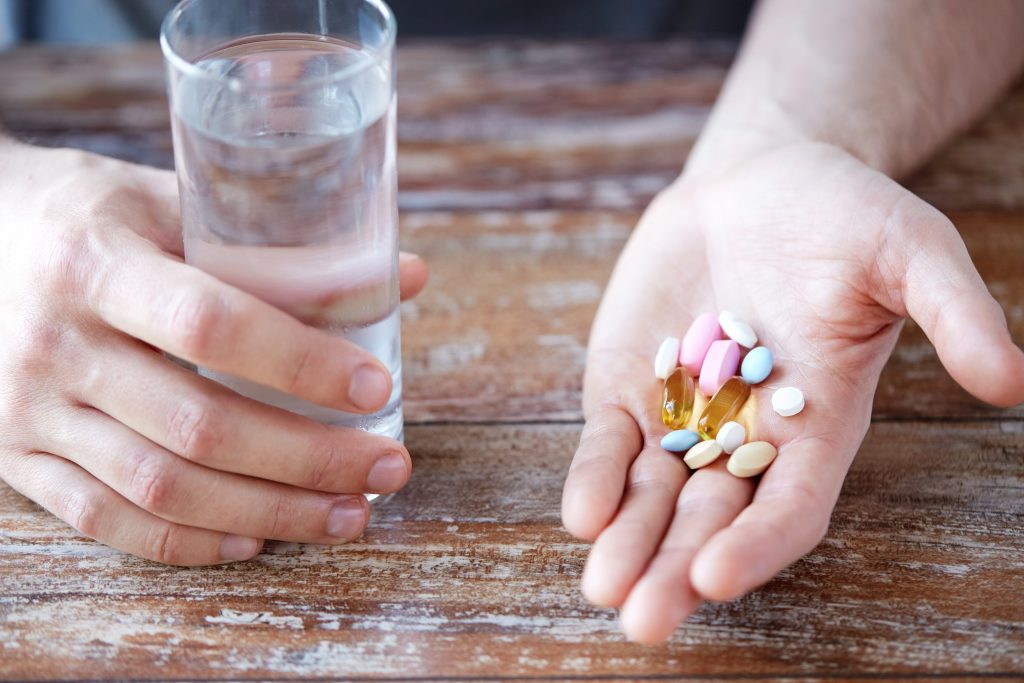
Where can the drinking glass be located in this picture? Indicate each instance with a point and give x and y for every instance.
(284, 142)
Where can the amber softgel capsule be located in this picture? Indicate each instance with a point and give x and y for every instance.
(677, 399)
(723, 407)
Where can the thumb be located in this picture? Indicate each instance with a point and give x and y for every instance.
(943, 292)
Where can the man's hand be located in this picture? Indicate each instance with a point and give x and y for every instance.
(99, 427)
(824, 257)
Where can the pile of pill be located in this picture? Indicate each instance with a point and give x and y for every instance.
(708, 358)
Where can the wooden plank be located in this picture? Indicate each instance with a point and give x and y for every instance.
(467, 573)
(494, 126)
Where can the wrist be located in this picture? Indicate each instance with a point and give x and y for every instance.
(731, 137)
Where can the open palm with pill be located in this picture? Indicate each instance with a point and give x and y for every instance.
(824, 257)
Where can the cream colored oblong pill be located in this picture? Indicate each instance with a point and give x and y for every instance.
(667, 358)
(702, 455)
(751, 459)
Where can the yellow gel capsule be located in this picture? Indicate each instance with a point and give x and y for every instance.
(723, 407)
(677, 399)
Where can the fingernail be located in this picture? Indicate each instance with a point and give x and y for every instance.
(387, 474)
(369, 388)
(234, 548)
(347, 519)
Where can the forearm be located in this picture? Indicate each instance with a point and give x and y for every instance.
(888, 81)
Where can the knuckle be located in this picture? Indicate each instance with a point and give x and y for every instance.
(683, 552)
(303, 362)
(712, 505)
(195, 429)
(107, 204)
(37, 346)
(82, 511)
(651, 486)
(656, 476)
(279, 515)
(196, 319)
(150, 484)
(281, 512)
(93, 379)
(65, 264)
(609, 426)
(598, 466)
(329, 465)
(634, 529)
(164, 544)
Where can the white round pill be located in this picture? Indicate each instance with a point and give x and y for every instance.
(737, 330)
(788, 401)
(667, 358)
(731, 436)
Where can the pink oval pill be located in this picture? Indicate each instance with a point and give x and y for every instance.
(719, 365)
(704, 331)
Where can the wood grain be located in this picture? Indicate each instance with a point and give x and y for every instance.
(468, 573)
(495, 125)
(505, 282)
(523, 169)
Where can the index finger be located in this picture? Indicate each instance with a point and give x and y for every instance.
(137, 289)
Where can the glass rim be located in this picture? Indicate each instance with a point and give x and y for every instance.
(183, 65)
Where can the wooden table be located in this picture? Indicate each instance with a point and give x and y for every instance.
(523, 169)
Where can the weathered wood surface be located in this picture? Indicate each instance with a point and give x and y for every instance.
(523, 169)
(467, 573)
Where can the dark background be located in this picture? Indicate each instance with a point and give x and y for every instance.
(102, 21)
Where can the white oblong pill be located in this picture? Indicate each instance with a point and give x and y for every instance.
(667, 358)
(702, 455)
(737, 330)
(727, 314)
(751, 459)
(731, 436)
(788, 401)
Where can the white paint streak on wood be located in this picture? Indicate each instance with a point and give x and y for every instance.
(451, 356)
(558, 295)
(235, 618)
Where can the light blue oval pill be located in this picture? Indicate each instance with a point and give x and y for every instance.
(680, 440)
(757, 365)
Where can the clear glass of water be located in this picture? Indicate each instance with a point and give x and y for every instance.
(284, 141)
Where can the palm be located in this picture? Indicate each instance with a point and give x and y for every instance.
(809, 246)
(791, 265)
